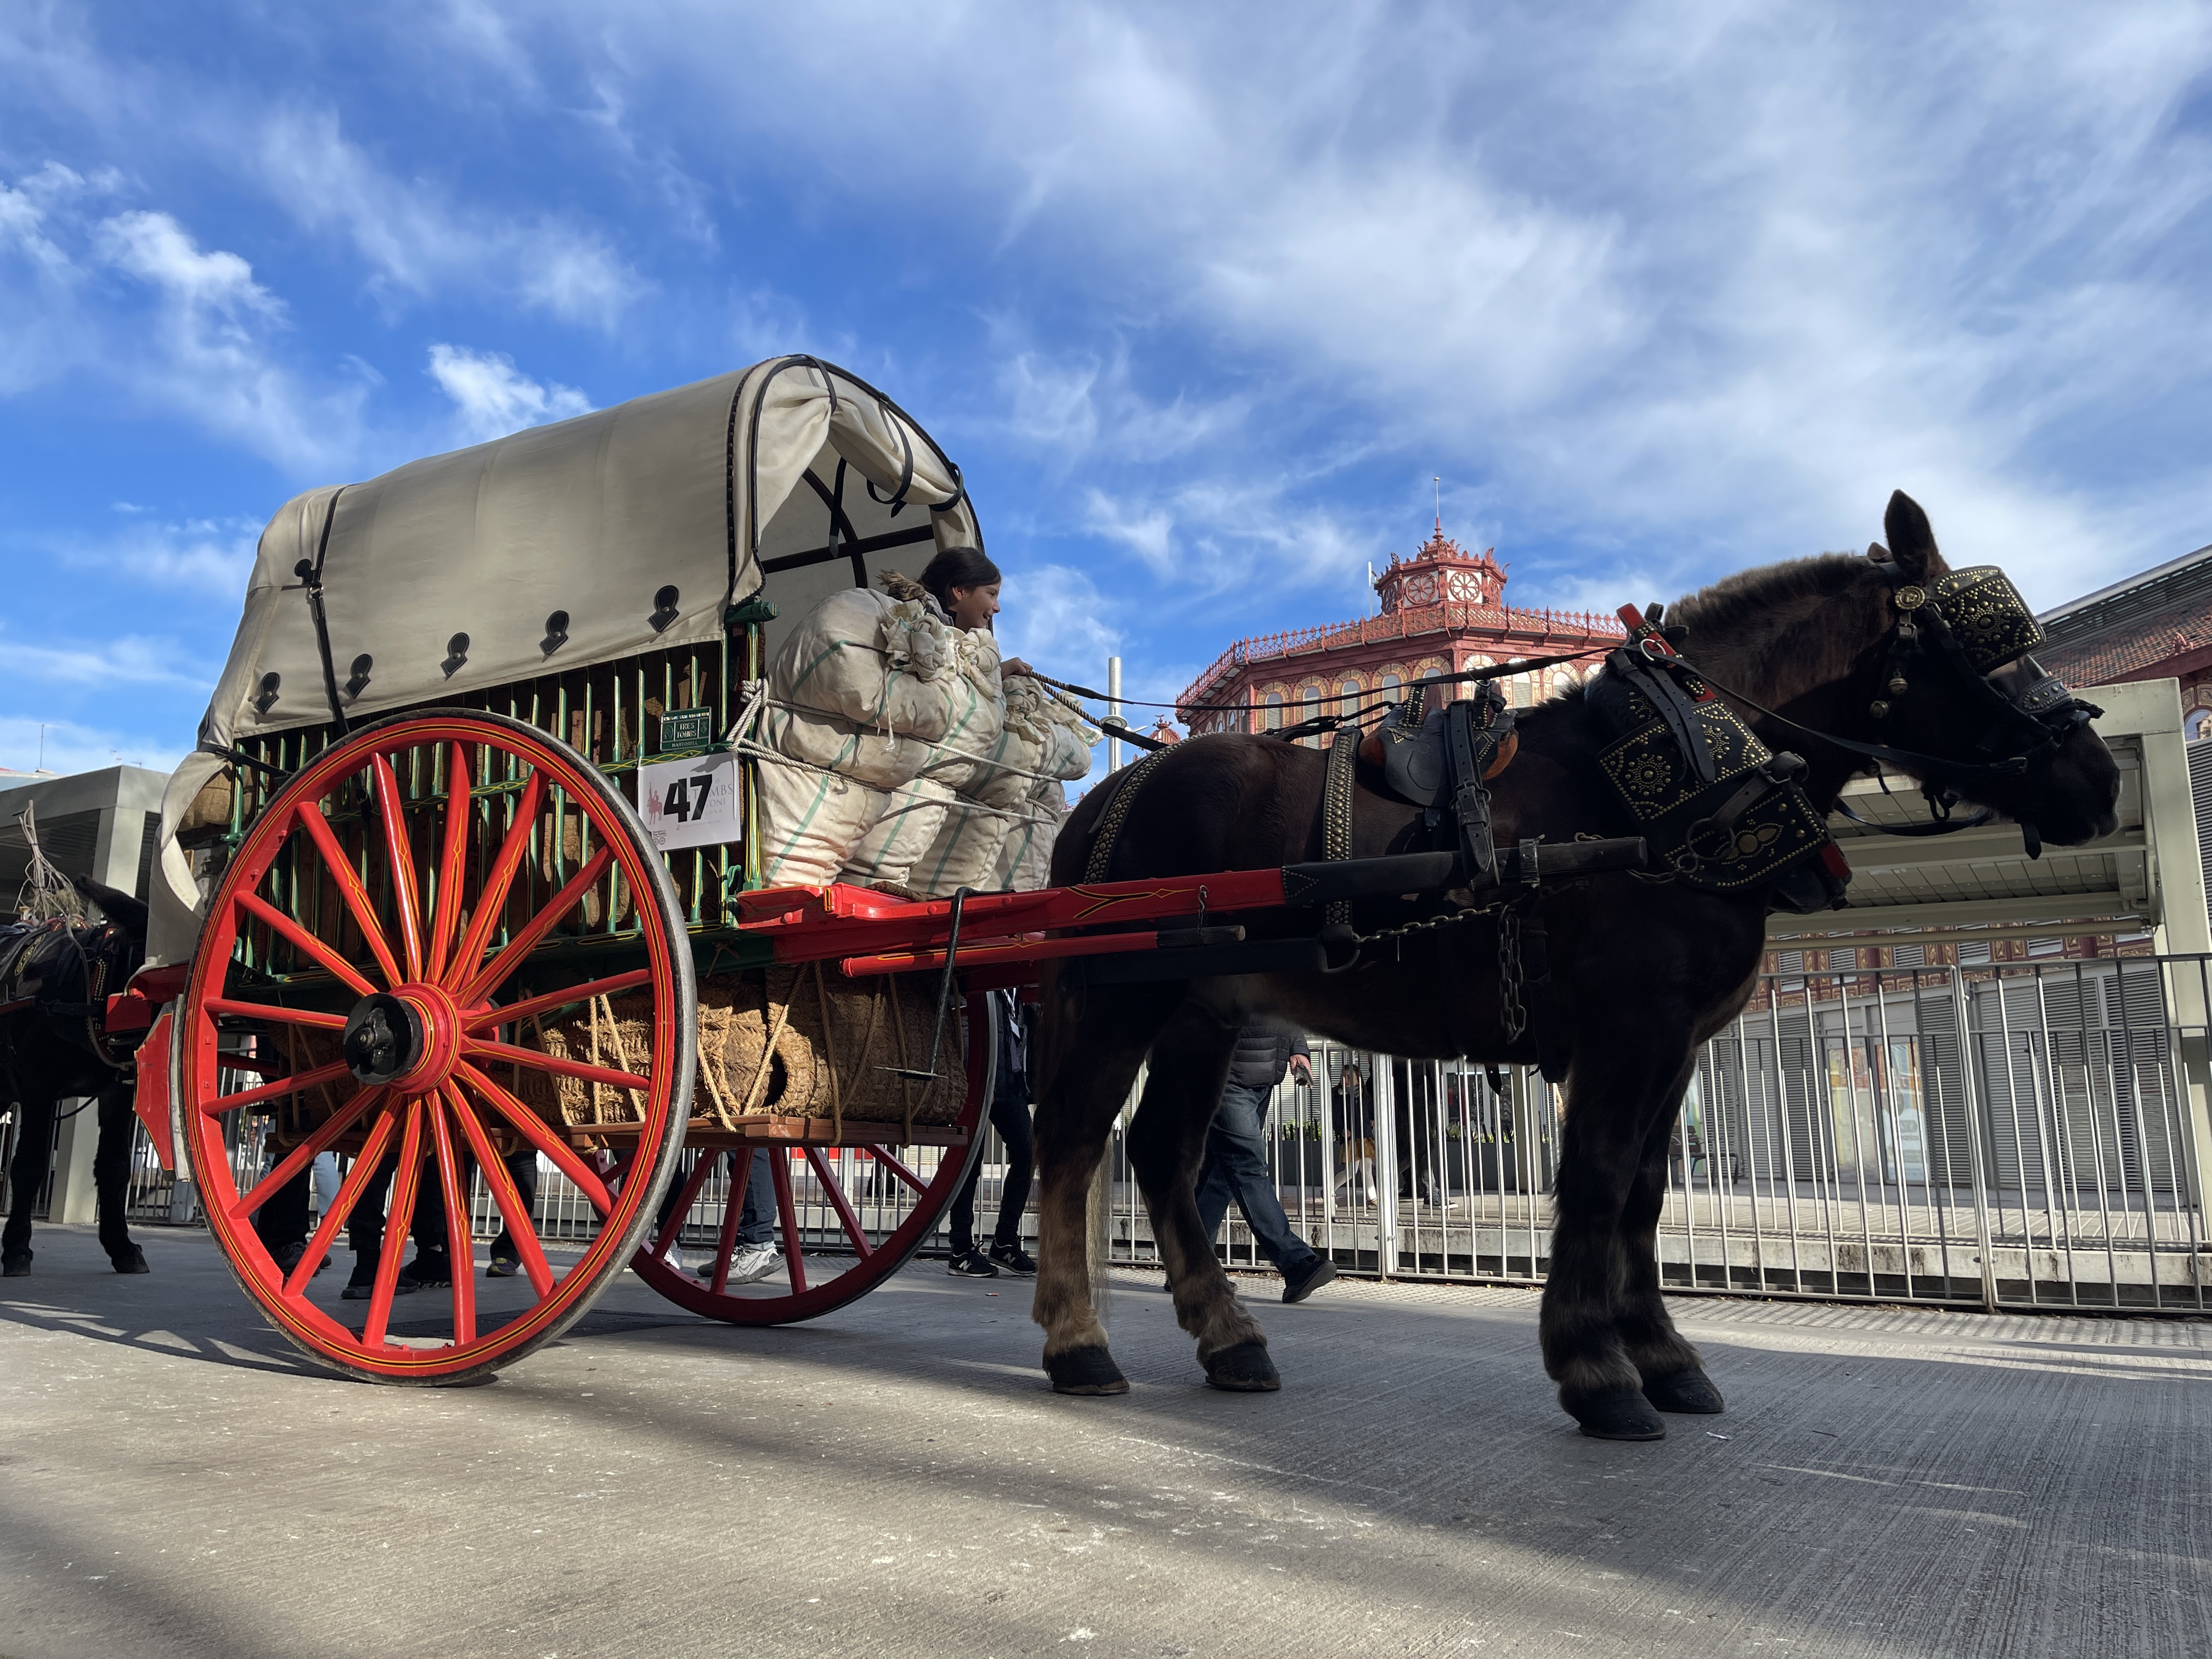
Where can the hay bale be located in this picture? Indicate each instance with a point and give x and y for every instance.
(832, 1037)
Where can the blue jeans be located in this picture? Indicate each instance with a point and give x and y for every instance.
(1236, 1167)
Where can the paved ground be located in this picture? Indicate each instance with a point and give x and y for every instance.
(895, 1479)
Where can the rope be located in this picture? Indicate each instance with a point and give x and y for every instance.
(47, 894)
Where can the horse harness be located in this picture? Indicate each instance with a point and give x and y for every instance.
(29, 954)
(1721, 811)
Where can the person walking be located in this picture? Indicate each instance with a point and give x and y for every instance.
(1010, 1116)
(1235, 1164)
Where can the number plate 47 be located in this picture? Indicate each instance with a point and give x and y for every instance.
(690, 803)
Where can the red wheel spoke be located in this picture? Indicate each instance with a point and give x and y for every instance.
(349, 886)
(398, 1216)
(525, 941)
(307, 942)
(725, 1241)
(461, 1250)
(283, 1085)
(399, 854)
(701, 1170)
(507, 1013)
(534, 1060)
(306, 1151)
(276, 1015)
(779, 1168)
(532, 1128)
(492, 899)
(458, 810)
(884, 1157)
(349, 1190)
(521, 1226)
(838, 1202)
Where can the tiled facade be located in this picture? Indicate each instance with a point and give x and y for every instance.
(1443, 611)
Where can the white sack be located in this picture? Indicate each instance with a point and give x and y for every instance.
(810, 822)
(899, 837)
(1025, 861)
(965, 852)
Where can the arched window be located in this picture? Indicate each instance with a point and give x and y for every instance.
(1390, 683)
(2198, 724)
(1348, 695)
(1271, 717)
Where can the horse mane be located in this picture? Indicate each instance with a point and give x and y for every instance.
(1749, 614)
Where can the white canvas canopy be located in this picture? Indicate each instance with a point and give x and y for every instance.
(620, 531)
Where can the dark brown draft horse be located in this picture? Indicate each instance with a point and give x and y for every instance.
(1642, 971)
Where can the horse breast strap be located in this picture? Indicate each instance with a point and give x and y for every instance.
(1124, 784)
(1723, 810)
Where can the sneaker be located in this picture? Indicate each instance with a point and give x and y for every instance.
(505, 1263)
(752, 1263)
(432, 1268)
(287, 1257)
(360, 1289)
(1318, 1274)
(971, 1263)
(1015, 1260)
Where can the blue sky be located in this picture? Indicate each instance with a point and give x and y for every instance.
(1200, 297)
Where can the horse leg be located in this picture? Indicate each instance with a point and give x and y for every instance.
(1167, 1140)
(110, 1178)
(1614, 1093)
(1673, 1373)
(34, 1159)
(1091, 1060)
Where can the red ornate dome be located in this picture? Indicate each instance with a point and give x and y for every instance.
(1441, 572)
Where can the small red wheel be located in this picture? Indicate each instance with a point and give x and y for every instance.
(392, 889)
(817, 1284)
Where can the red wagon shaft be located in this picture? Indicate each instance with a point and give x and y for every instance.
(872, 932)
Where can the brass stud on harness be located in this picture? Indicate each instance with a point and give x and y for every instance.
(1878, 709)
(1909, 598)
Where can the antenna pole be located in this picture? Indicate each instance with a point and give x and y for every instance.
(1112, 711)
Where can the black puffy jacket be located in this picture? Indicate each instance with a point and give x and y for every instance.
(1263, 1053)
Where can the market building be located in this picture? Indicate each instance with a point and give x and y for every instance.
(1443, 611)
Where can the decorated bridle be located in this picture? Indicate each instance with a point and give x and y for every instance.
(1977, 615)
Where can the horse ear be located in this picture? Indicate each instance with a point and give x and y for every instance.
(1911, 540)
(119, 908)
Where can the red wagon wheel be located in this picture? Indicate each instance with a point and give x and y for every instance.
(839, 1191)
(394, 888)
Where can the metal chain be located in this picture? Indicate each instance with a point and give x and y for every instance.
(1512, 1015)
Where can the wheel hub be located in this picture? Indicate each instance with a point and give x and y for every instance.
(409, 1038)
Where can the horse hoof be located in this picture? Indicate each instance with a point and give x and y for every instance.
(1684, 1391)
(1243, 1368)
(133, 1263)
(1085, 1370)
(1623, 1414)
(15, 1267)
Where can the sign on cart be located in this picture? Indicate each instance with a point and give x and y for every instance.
(686, 728)
(690, 803)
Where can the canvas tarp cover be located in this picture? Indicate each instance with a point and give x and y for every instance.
(693, 490)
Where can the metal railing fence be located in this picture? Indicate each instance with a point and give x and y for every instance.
(2024, 1134)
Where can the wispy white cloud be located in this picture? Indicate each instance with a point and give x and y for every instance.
(207, 557)
(131, 660)
(492, 398)
(131, 297)
(1056, 619)
(67, 746)
(419, 244)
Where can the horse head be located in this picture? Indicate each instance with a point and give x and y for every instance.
(1956, 687)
